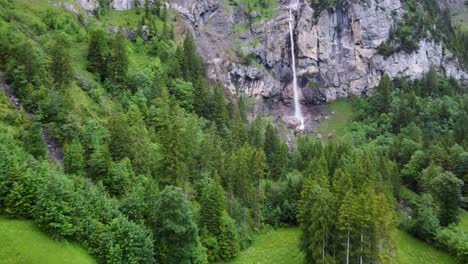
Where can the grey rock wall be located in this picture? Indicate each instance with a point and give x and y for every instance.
(337, 51)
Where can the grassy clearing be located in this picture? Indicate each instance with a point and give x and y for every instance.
(464, 222)
(461, 19)
(413, 251)
(22, 242)
(280, 246)
(338, 122)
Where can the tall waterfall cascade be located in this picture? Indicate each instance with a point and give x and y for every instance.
(297, 105)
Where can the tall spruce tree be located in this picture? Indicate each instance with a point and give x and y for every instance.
(97, 52)
(61, 68)
(119, 61)
(175, 231)
(317, 217)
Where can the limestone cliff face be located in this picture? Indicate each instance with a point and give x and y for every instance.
(88, 5)
(92, 5)
(454, 5)
(337, 51)
(126, 4)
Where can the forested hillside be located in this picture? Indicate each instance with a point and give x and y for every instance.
(113, 137)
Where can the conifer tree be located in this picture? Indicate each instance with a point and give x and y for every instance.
(60, 65)
(119, 64)
(279, 161)
(73, 161)
(97, 52)
(382, 99)
(317, 216)
(347, 220)
(212, 160)
(446, 189)
(213, 205)
(239, 130)
(98, 162)
(228, 239)
(218, 107)
(200, 97)
(119, 131)
(271, 142)
(256, 133)
(175, 231)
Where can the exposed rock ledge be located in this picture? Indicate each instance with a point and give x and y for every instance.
(337, 52)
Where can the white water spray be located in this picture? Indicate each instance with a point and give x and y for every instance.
(297, 106)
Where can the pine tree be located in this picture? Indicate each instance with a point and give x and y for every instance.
(218, 107)
(271, 142)
(241, 105)
(318, 171)
(279, 161)
(213, 204)
(239, 130)
(119, 63)
(228, 239)
(97, 52)
(119, 178)
(200, 98)
(382, 99)
(120, 140)
(446, 189)
(60, 65)
(175, 231)
(212, 161)
(317, 216)
(73, 161)
(347, 223)
(259, 172)
(98, 163)
(256, 133)
(175, 131)
(191, 66)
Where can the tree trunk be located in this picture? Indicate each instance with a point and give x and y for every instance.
(323, 249)
(360, 254)
(347, 249)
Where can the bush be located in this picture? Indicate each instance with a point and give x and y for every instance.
(454, 241)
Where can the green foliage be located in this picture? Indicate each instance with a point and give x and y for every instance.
(175, 232)
(73, 162)
(260, 9)
(228, 238)
(413, 251)
(446, 189)
(61, 65)
(425, 19)
(213, 204)
(118, 62)
(98, 52)
(424, 222)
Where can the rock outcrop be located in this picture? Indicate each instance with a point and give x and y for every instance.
(454, 5)
(88, 5)
(337, 50)
(126, 4)
(92, 5)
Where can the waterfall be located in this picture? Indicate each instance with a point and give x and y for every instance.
(297, 106)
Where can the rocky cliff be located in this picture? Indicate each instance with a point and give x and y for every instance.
(337, 50)
(93, 5)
